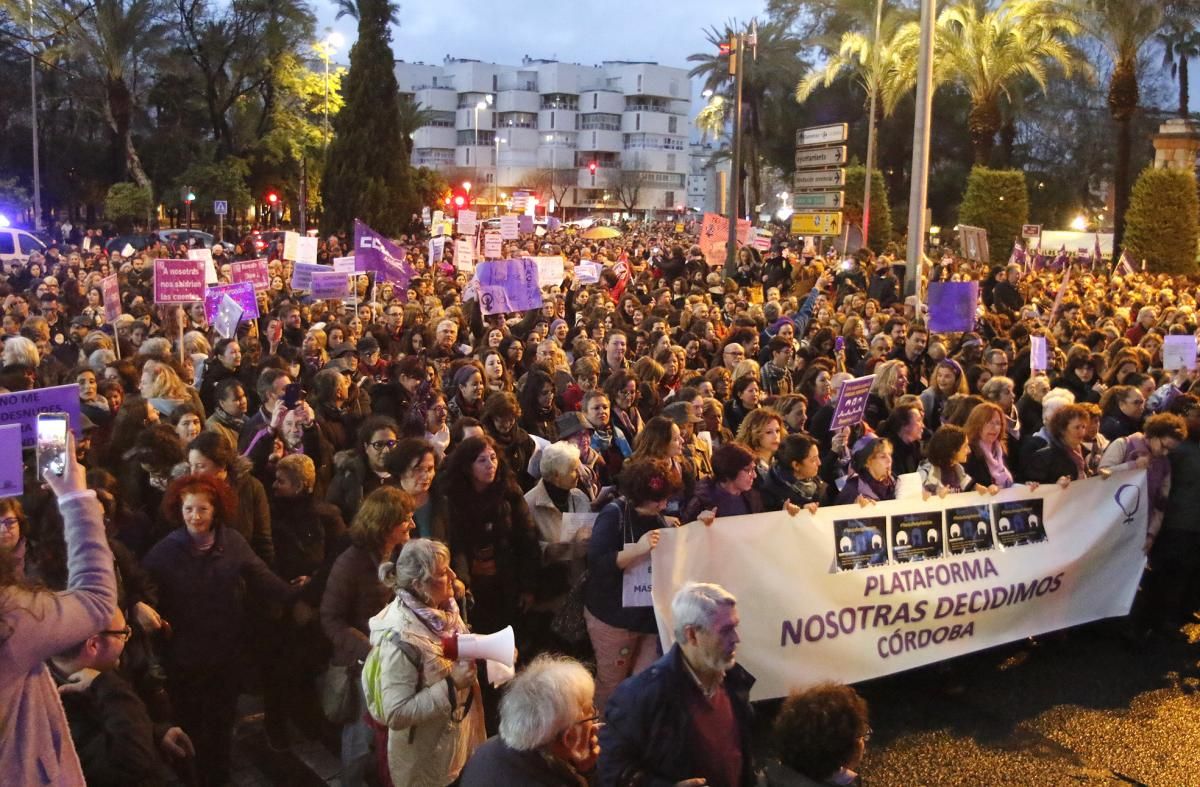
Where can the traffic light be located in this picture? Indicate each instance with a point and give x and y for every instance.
(189, 198)
(272, 198)
(459, 200)
(592, 167)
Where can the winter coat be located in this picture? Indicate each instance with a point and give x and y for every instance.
(1050, 463)
(495, 762)
(253, 521)
(709, 495)
(429, 735)
(203, 596)
(307, 534)
(647, 737)
(35, 742)
(353, 595)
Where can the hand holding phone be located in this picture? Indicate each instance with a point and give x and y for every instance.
(52, 444)
(291, 395)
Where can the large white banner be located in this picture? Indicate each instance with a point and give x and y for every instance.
(857, 592)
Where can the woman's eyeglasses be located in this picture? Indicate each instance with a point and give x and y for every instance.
(383, 445)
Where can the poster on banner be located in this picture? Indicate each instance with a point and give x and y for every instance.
(803, 621)
(205, 256)
(861, 542)
(466, 222)
(637, 584)
(493, 246)
(110, 291)
(1037, 354)
(851, 402)
(1179, 352)
(1019, 522)
(329, 286)
(256, 272)
(344, 264)
(464, 255)
(969, 529)
(509, 227)
(12, 471)
(229, 314)
(178, 281)
(22, 408)
(952, 306)
(915, 537)
(508, 286)
(587, 272)
(302, 273)
(550, 271)
(243, 293)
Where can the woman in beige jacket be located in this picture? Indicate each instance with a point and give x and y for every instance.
(430, 704)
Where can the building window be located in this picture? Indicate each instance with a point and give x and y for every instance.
(670, 199)
(639, 83)
(637, 120)
(551, 121)
(672, 125)
(600, 121)
(671, 161)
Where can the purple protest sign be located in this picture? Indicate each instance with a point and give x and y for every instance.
(12, 475)
(508, 286)
(178, 281)
(302, 273)
(851, 402)
(110, 289)
(329, 286)
(525, 223)
(22, 408)
(242, 292)
(375, 253)
(253, 271)
(952, 306)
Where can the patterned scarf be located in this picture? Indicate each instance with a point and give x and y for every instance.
(440, 621)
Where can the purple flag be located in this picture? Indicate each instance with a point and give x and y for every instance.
(1061, 261)
(508, 286)
(375, 253)
(1018, 255)
(1124, 266)
(952, 306)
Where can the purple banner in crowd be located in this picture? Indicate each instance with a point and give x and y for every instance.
(110, 290)
(253, 271)
(242, 292)
(952, 306)
(12, 472)
(22, 408)
(851, 402)
(525, 224)
(178, 281)
(375, 253)
(508, 286)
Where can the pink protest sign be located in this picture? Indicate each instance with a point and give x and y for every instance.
(253, 271)
(110, 290)
(178, 281)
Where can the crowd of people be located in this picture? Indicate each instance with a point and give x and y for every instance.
(309, 509)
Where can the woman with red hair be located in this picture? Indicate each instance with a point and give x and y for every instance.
(204, 570)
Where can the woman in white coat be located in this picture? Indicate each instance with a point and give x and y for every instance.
(429, 704)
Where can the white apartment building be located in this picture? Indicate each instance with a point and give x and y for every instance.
(596, 139)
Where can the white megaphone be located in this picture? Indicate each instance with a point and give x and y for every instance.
(492, 647)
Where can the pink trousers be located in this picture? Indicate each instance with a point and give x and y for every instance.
(619, 654)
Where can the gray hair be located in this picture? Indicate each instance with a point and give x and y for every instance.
(1055, 400)
(1035, 380)
(19, 350)
(696, 604)
(992, 389)
(100, 359)
(156, 347)
(416, 565)
(543, 701)
(558, 459)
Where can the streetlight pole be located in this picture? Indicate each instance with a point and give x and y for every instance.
(738, 67)
(866, 220)
(553, 170)
(920, 157)
(37, 167)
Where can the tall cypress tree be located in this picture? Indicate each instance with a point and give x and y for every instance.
(367, 175)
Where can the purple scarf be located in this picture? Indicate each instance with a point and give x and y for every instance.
(994, 458)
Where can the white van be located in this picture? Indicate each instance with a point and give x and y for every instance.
(18, 244)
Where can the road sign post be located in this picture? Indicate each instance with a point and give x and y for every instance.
(817, 200)
(220, 208)
(820, 158)
(824, 223)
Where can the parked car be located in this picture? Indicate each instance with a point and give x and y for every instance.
(18, 244)
(196, 239)
(263, 243)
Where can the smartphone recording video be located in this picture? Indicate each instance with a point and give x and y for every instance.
(52, 444)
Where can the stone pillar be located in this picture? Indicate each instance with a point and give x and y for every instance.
(1177, 145)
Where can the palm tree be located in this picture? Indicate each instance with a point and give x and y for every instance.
(768, 77)
(1180, 40)
(351, 8)
(989, 50)
(1122, 27)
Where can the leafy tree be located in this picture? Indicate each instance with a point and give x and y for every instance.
(366, 177)
(988, 50)
(1123, 27)
(428, 185)
(225, 180)
(997, 201)
(1163, 223)
(126, 203)
(881, 212)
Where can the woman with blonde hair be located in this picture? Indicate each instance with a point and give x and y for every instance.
(163, 388)
(891, 382)
(762, 431)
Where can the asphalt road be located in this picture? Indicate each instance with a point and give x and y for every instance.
(1083, 707)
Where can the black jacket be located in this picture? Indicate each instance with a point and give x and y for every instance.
(1050, 463)
(646, 739)
(495, 762)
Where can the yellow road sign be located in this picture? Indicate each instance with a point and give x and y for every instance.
(823, 223)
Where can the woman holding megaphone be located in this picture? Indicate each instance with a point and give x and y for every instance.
(426, 702)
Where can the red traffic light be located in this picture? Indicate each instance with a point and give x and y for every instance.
(592, 168)
(459, 201)
(272, 197)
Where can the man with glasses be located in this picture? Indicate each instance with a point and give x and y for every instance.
(117, 741)
(548, 729)
(732, 355)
